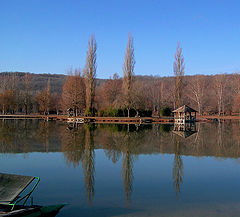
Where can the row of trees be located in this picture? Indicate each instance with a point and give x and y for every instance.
(127, 93)
(127, 96)
(79, 92)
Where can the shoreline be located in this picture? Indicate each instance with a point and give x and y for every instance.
(123, 120)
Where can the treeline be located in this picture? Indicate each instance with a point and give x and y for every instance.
(208, 94)
(81, 93)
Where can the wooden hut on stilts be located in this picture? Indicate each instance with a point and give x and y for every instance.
(184, 114)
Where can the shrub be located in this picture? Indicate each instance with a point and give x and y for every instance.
(112, 112)
(145, 113)
(100, 113)
(165, 111)
(90, 113)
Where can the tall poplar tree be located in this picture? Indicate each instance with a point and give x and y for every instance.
(128, 72)
(178, 68)
(90, 74)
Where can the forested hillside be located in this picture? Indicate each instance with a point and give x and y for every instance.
(38, 82)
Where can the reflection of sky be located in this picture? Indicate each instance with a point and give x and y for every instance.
(209, 186)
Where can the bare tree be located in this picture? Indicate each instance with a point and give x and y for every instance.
(48, 95)
(26, 95)
(138, 97)
(12, 81)
(128, 72)
(196, 85)
(219, 87)
(111, 91)
(44, 99)
(235, 83)
(4, 82)
(236, 104)
(179, 68)
(90, 74)
(155, 91)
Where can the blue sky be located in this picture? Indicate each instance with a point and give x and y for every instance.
(50, 36)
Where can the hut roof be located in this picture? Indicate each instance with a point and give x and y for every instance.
(184, 108)
(184, 134)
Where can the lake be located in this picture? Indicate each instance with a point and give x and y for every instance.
(127, 170)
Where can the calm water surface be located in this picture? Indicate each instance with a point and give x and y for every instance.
(120, 170)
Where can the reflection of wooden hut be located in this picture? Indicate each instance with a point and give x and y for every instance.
(184, 114)
(184, 130)
(75, 120)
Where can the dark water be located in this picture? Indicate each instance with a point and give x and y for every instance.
(120, 170)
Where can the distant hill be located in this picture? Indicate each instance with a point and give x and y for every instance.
(39, 81)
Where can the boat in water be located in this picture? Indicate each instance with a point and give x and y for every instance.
(13, 203)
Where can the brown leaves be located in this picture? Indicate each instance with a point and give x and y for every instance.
(73, 93)
(8, 101)
(111, 91)
(42, 98)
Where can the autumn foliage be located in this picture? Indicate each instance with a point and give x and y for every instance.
(8, 101)
(73, 94)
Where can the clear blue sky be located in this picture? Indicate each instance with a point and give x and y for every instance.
(50, 36)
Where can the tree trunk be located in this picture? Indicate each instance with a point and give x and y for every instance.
(137, 113)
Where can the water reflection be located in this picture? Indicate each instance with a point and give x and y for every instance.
(180, 134)
(177, 169)
(42, 134)
(89, 163)
(184, 130)
(127, 168)
(121, 143)
(78, 147)
(73, 144)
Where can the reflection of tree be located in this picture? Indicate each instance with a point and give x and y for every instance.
(73, 145)
(177, 169)
(112, 154)
(236, 136)
(18, 136)
(26, 131)
(127, 163)
(89, 163)
(42, 133)
(127, 175)
(124, 140)
(220, 142)
(8, 134)
(112, 145)
(78, 146)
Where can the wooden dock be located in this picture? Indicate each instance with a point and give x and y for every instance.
(122, 120)
(126, 120)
